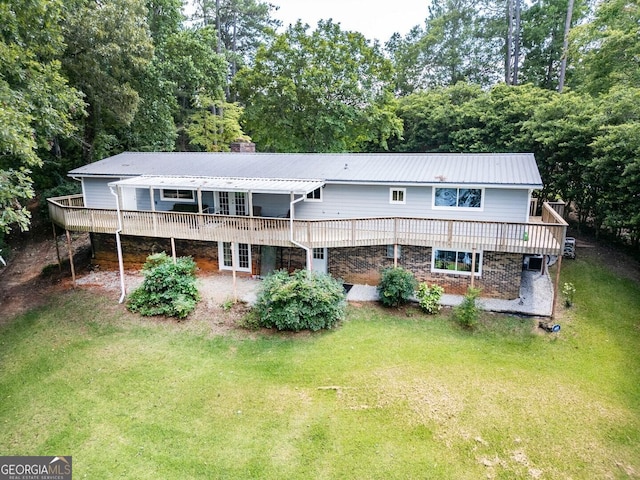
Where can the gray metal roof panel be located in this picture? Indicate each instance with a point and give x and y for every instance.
(516, 169)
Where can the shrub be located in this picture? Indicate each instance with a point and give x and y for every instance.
(467, 312)
(429, 297)
(304, 300)
(568, 291)
(168, 289)
(396, 287)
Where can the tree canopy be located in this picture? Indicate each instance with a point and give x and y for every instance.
(84, 79)
(327, 90)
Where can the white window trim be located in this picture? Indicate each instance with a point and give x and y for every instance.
(179, 200)
(391, 249)
(221, 264)
(455, 272)
(458, 209)
(397, 202)
(317, 200)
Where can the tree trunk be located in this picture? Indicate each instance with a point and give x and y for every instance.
(565, 46)
(516, 43)
(507, 62)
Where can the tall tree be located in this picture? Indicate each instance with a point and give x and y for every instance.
(324, 91)
(608, 48)
(616, 163)
(188, 59)
(544, 27)
(37, 103)
(456, 44)
(565, 45)
(108, 47)
(242, 26)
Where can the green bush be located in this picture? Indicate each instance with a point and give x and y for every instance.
(168, 289)
(568, 291)
(304, 300)
(396, 287)
(429, 297)
(467, 312)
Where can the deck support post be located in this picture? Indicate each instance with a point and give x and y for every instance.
(173, 250)
(70, 248)
(473, 267)
(395, 255)
(555, 287)
(233, 270)
(55, 240)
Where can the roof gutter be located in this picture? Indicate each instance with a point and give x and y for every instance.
(119, 246)
(291, 218)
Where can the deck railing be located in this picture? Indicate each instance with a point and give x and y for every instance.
(546, 237)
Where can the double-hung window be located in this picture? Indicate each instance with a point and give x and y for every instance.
(457, 198)
(455, 261)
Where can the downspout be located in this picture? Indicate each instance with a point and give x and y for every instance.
(291, 215)
(119, 245)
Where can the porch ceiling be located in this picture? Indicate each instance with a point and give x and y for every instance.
(229, 184)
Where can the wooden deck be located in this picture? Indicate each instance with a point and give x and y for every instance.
(542, 235)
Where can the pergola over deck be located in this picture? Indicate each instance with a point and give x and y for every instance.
(280, 186)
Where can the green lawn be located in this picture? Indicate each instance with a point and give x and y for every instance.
(383, 396)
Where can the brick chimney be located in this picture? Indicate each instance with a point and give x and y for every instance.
(243, 147)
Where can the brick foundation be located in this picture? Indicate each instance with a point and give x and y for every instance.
(135, 251)
(501, 272)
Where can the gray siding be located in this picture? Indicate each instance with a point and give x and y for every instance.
(353, 201)
(343, 201)
(97, 193)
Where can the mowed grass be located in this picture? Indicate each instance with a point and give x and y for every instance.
(387, 395)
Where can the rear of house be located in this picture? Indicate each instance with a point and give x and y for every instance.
(451, 219)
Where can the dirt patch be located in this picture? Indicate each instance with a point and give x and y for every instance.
(614, 259)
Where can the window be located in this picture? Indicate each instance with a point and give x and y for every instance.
(397, 195)
(457, 197)
(180, 195)
(390, 253)
(315, 196)
(455, 261)
(318, 253)
(241, 252)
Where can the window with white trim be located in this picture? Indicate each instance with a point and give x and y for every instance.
(398, 196)
(391, 251)
(315, 196)
(457, 197)
(173, 194)
(455, 261)
(240, 252)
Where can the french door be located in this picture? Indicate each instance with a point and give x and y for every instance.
(231, 203)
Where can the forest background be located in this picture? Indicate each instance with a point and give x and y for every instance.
(81, 80)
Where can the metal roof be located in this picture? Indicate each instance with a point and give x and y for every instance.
(255, 185)
(500, 169)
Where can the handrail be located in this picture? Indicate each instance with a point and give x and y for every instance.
(546, 237)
